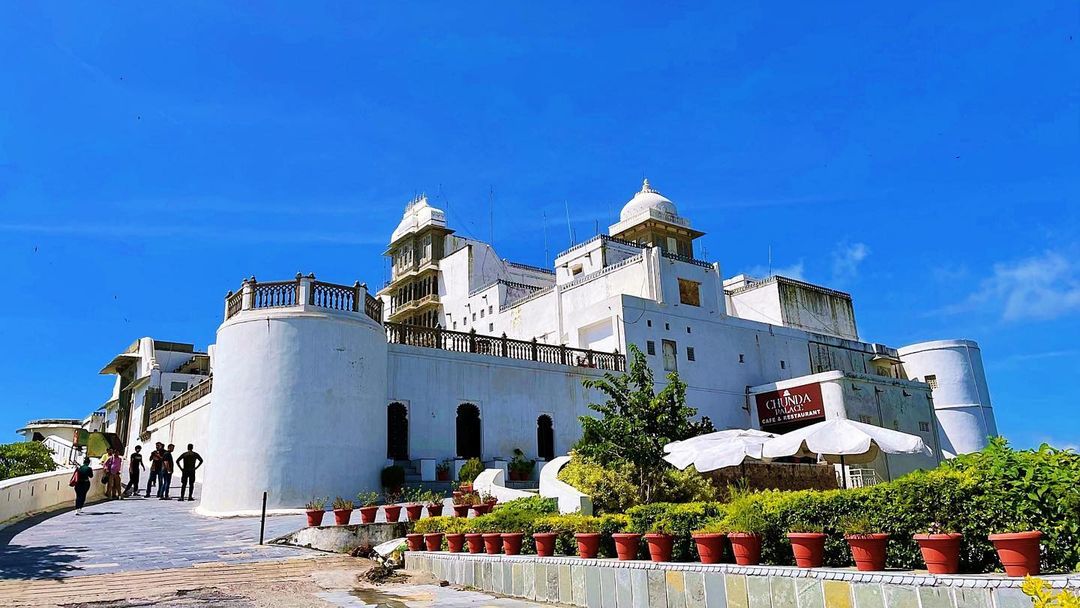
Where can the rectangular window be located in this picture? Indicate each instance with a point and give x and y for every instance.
(491, 309)
(491, 327)
(178, 387)
(689, 292)
(671, 356)
(650, 347)
(932, 381)
(688, 329)
(924, 426)
(742, 358)
(648, 322)
(575, 271)
(482, 311)
(690, 353)
(474, 316)
(783, 364)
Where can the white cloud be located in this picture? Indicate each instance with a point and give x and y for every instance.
(846, 260)
(792, 271)
(1042, 287)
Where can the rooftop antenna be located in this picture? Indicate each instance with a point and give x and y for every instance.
(770, 259)
(491, 215)
(546, 261)
(569, 230)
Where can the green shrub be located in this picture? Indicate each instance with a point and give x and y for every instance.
(532, 504)
(470, 470)
(615, 490)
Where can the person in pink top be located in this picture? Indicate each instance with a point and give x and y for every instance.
(112, 466)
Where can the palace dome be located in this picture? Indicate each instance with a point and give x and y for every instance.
(644, 201)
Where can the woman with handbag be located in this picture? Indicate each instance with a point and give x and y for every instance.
(80, 480)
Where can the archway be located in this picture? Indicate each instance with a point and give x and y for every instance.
(545, 438)
(397, 431)
(468, 431)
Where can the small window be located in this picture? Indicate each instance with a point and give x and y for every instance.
(687, 329)
(689, 292)
(690, 353)
(455, 324)
(671, 356)
(575, 271)
(650, 347)
(178, 387)
(482, 311)
(924, 426)
(491, 327)
(742, 358)
(474, 316)
(491, 309)
(648, 322)
(865, 419)
(932, 381)
(667, 326)
(783, 364)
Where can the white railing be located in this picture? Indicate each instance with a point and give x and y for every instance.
(31, 494)
(861, 477)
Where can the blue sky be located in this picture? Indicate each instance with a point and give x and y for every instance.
(925, 159)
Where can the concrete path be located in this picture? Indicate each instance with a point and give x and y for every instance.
(135, 534)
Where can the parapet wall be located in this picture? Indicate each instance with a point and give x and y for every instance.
(632, 584)
(32, 494)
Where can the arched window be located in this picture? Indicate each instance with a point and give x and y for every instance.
(468, 431)
(397, 431)
(545, 438)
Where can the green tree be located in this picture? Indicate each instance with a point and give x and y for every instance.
(24, 458)
(636, 422)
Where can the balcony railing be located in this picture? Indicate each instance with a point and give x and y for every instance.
(182, 400)
(303, 291)
(471, 342)
(688, 260)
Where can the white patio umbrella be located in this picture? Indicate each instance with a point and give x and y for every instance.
(842, 441)
(717, 450)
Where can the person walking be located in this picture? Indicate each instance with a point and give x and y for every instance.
(165, 478)
(189, 461)
(112, 466)
(135, 463)
(155, 466)
(80, 480)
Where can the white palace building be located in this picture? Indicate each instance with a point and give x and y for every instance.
(312, 387)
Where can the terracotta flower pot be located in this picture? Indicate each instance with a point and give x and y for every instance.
(434, 510)
(341, 516)
(1018, 552)
(868, 550)
(454, 542)
(588, 544)
(412, 512)
(415, 541)
(545, 543)
(314, 518)
(514, 475)
(367, 514)
(492, 543)
(941, 552)
(512, 542)
(465, 488)
(481, 509)
(626, 545)
(660, 546)
(442, 475)
(746, 548)
(433, 541)
(808, 547)
(461, 510)
(393, 513)
(710, 547)
(476, 542)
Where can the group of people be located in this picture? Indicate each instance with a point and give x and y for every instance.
(162, 465)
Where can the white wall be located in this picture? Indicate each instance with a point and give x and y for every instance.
(30, 494)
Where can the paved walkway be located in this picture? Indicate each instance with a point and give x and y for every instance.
(135, 534)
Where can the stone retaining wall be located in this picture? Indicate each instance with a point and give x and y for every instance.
(607, 583)
(343, 539)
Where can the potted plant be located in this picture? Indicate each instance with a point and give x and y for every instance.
(434, 502)
(482, 504)
(709, 541)
(492, 542)
(342, 511)
(660, 541)
(468, 473)
(393, 478)
(464, 487)
(867, 543)
(544, 537)
(489, 499)
(475, 541)
(369, 508)
(512, 542)
(392, 510)
(626, 545)
(463, 502)
(414, 504)
(587, 534)
(442, 471)
(1018, 549)
(940, 549)
(746, 522)
(454, 542)
(807, 544)
(433, 541)
(415, 541)
(315, 509)
(521, 469)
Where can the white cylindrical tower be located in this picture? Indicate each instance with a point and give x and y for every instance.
(298, 407)
(954, 371)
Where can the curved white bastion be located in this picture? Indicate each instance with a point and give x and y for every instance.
(954, 371)
(299, 399)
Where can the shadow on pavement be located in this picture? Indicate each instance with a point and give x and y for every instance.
(38, 562)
